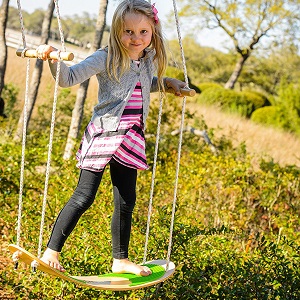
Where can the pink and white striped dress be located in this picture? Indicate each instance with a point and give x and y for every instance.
(126, 145)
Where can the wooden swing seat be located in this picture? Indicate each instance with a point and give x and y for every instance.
(110, 281)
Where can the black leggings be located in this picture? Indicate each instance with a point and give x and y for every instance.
(124, 191)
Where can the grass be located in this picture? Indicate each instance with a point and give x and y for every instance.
(260, 141)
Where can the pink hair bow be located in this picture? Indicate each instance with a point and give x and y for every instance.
(155, 12)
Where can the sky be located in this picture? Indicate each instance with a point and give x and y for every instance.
(209, 38)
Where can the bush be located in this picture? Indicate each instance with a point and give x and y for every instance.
(228, 100)
(206, 85)
(9, 115)
(259, 100)
(270, 115)
(289, 100)
(9, 95)
(244, 103)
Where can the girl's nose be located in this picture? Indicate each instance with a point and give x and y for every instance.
(135, 36)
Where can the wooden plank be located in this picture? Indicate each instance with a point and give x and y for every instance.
(105, 282)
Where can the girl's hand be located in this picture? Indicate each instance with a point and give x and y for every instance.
(43, 52)
(174, 86)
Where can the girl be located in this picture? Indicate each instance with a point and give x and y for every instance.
(115, 135)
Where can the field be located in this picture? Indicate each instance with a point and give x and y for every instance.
(237, 226)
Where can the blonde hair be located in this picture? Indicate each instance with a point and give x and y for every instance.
(118, 60)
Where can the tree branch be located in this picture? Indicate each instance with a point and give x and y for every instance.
(201, 133)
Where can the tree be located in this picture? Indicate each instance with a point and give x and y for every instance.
(82, 91)
(3, 48)
(37, 72)
(13, 21)
(34, 21)
(78, 29)
(203, 63)
(246, 22)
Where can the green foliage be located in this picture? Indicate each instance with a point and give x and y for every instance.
(203, 63)
(289, 101)
(230, 100)
(258, 99)
(65, 104)
(270, 115)
(34, 21)
(7, 125)
(175, 73)
(78, 29)
(179, 74)
(244, 103)
(265, 73)
(236, 231)
(13, 21)
(206, 85)
(9, 95)
(285, 113)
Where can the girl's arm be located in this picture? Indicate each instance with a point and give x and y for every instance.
(77, 73)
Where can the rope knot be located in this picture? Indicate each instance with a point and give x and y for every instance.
(23, 52)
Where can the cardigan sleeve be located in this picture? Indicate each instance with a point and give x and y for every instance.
(78, 73)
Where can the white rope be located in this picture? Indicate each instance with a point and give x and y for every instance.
(178, 155)
(61, 33)
(48, 161)
(25, 116)
(153, 178)
(150, 206)
(51, 133)
(21, 23)
(180, 138)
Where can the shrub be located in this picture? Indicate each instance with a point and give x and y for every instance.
(259, 100)
(270, 115)
(289, 101)
(206, 85)
(9, 95)
(228, 100)
(10, 114)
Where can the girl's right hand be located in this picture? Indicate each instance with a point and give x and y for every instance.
(43, 52)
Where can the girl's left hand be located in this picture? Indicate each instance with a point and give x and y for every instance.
(43, 52)
(175, 85)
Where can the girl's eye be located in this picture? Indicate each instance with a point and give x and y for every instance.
(130, 32)
(144, 31)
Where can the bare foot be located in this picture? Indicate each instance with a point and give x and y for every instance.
(126, 266)
(50, 257)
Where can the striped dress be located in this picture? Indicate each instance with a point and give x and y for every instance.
(126, 145)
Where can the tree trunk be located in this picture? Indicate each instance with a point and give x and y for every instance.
(3, 48)
(37, 72)
(237, 71)
(82, 91)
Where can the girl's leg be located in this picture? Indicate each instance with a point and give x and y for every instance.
(124, 190)
(81, 200)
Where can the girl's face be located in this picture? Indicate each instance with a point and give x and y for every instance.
(137, 34)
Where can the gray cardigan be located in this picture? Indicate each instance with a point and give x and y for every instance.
(112, 95)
